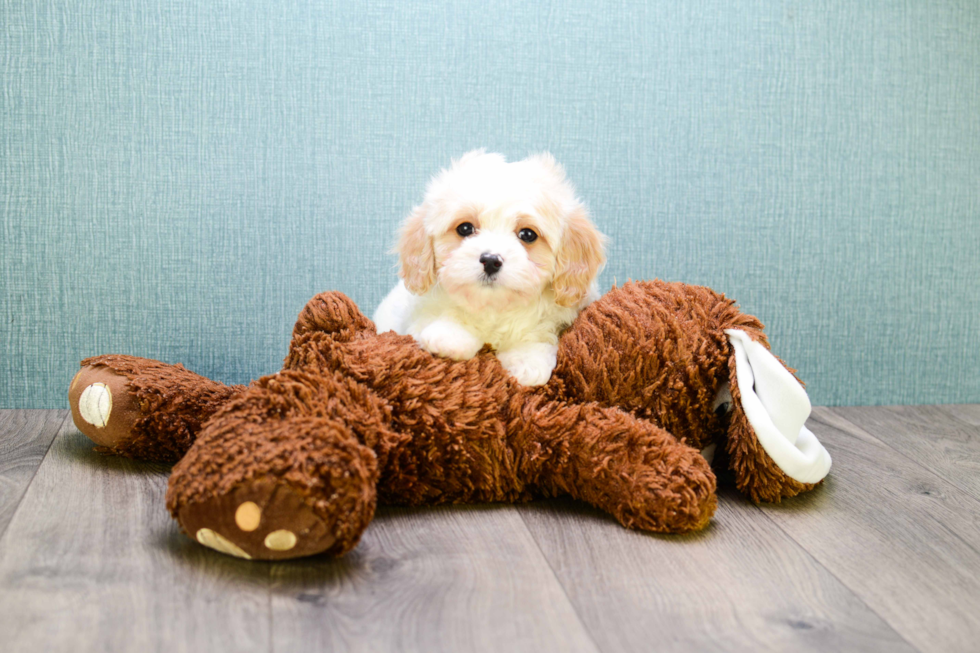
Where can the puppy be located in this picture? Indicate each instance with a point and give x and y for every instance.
(498, 253)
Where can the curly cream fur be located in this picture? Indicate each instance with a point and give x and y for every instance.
(448, 303)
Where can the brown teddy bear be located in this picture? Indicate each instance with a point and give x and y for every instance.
(651, 379)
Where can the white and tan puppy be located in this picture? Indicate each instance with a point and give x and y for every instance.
(499, 253)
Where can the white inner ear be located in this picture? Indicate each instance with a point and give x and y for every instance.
(776, 406)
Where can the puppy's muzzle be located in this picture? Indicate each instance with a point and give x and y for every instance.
(491, 263)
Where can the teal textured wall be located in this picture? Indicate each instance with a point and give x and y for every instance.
(176, 179)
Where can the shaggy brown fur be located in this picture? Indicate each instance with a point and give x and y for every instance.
(158, 409)
(355, 417)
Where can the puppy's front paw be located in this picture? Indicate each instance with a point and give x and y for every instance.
(445, 338)
(531, 364)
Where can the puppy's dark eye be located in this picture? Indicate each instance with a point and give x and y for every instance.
(527, 235)
(465, 229)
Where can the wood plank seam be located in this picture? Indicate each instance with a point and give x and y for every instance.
(23, 493)
(968, 493)
(951, 415)
(859, 434)
(554, 574)
(958, 418)
(854, 592)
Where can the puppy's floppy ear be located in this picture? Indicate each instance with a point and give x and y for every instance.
(579, 258)
(416, 254)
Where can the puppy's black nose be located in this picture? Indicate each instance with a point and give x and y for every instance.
(491, 263)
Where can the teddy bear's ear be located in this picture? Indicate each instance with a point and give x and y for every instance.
(416, 254)
(578, 259)
(772, 452)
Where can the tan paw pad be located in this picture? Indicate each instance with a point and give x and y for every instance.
(213, 540)
(95, 404)
(248, 516)
(281, 540)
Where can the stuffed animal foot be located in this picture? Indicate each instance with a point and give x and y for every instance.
(260, 519)
(268, 480)
(142, 408)
(295, 488)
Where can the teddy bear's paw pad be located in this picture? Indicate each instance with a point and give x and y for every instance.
(281, 540)
(102, 406)
(213, 540)
(248, 516)
(95, 404)
(262, 520)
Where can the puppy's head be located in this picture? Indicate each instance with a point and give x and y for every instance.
(494, 233)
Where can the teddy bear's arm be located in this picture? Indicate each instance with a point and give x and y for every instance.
(623, 465)
(142, 408)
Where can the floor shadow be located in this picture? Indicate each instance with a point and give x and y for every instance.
(78, 447)
(313, 579)
(194, 561)
(285, 575)
(816, 499)
(572, 513)
(310, 579)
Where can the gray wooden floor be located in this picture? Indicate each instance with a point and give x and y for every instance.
(885, 556)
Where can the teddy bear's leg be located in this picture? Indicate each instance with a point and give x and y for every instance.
(142, 408)
(333, 313)
(281, 473)
(770, 450)
(626, 466)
